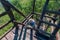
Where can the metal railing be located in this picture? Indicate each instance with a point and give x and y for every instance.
(40, 34)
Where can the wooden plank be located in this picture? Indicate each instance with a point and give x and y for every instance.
(3, 38)
(10, 35)
(6, 33)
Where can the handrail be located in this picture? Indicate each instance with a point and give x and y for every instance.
(29, 16)
(20, 23)
(2, 14)
(51, 24)
(53, 12)
(47, 16)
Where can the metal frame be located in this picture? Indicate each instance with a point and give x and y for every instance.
(7, 6)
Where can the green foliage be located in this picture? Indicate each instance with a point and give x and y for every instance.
(39, 5)
(4, 19)
(53, 5)
(26, 5)
(2, 31)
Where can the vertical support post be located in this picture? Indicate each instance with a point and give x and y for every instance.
(20, 36)
(43, 13)
(33, 7)
(24, 36)
(31, 34)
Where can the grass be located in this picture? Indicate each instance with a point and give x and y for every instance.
(3, 20)
(18, 17)
(2, 31)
